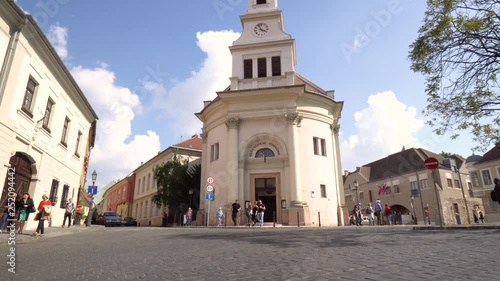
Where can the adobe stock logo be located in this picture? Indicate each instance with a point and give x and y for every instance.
(47, 10)
(223, 6)
(372, 29)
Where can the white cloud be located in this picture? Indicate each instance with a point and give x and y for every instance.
(116, 152)
(57, 36)
(382, 129)
(179, 103)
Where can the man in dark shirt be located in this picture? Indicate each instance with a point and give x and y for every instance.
(235, 210)
(497, 189)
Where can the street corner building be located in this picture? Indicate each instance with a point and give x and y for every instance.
(272, 135)
(47, 126)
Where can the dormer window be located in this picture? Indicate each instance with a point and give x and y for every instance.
(261, 2)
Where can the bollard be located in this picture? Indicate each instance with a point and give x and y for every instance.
(298, 222)
(274, 218)
(319, 218)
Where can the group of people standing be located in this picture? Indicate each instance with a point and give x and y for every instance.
(19, 210)
(375, 214)
(254, 214)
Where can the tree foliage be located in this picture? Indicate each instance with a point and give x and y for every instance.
(174, 180)
(458, 51)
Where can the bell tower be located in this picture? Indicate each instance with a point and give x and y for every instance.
(264, 54)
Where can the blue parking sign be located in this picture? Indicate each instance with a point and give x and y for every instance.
(209, 196)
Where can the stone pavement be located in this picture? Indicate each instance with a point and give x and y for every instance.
(286, 253)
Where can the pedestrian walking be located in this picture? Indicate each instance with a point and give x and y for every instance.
(260, 214)
(378, 212)
(189, 217)
(497, 189)
(68, 213)
(219, 215)
(248, 213)
(235, 209)
(26, 206)
(369, 213)
(475, 213)
(387, 212)
(44, 211)
(255, 211)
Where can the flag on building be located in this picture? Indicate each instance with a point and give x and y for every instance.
(380, 190)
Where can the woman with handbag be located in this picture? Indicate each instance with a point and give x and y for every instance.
(26, 206)
(44, 210)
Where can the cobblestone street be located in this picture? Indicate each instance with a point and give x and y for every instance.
(348, 253)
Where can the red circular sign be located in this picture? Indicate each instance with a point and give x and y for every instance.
(431, 163)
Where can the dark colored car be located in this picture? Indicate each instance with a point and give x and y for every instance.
(129, 221)
(111, 219)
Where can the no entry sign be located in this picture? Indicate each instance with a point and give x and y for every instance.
(431, 163)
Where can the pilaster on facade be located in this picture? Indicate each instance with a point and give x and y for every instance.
(232, 123)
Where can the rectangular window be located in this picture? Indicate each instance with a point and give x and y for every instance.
(214, 152)
(370, 195)
(28, 96)
(64, 197)
(78, 139)
(361, 195)
(414, 188)
(475, 179)
(64, 135)
(322, 188)
(48, 113)
(319, 146)
(261, 67)
(323, 147)
(486, 177)
(261, 2)
(423, 184)
(53, 191)
(247, 69)
(457, 184)
(449, 183)
(276, 65)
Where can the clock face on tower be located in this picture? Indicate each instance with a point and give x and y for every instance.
(261, 29)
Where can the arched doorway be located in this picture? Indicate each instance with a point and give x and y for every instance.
(401, 215)
(20, 170)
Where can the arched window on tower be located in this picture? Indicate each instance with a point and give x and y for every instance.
(265, 153)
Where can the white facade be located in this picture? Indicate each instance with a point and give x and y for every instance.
(273, 135)
(47, 127)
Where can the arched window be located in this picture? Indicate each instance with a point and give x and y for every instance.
(264, 152)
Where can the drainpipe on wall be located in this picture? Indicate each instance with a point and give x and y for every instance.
(9, 57)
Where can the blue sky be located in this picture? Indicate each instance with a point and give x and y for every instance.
(147, 66)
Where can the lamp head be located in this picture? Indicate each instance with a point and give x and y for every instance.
(356, 184)
(94, 176)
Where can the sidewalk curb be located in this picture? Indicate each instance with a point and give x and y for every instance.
(26, 237)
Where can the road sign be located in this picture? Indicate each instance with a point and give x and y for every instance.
(210, 188)
(92, 189)
(431, 163)
(210, 180)
(209, 196)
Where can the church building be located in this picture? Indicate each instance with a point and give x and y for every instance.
(272, 135)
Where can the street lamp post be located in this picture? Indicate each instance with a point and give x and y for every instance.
(89, 215)
(190, 196)
(356, 185)
(414, 213)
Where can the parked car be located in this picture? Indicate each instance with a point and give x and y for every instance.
(129, 221)
(111, 219)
